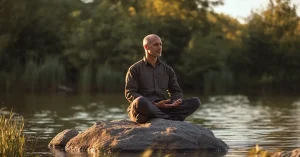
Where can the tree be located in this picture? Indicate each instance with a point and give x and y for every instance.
(272, 43)
(206, 55)
(176, 21)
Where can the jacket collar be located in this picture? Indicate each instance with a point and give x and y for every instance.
(146, 62)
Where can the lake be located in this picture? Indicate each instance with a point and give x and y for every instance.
(272, 122)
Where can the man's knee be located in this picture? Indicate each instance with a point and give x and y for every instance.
(141, 101)
(195, 102)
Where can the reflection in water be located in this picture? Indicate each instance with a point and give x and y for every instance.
(59, 153)
(242, 124)
(241, 121)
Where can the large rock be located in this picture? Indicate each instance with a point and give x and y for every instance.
(61, 139)
(157, 134)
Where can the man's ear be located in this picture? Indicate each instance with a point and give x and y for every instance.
(146, 47)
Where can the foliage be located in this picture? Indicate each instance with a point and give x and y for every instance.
(89, 46)
(271, 44)
(12, 140)
(176, 21)
(109, 80)
(206, 54)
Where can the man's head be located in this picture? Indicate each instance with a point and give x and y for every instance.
(152, 45)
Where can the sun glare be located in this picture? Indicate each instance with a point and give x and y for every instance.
(87, 1)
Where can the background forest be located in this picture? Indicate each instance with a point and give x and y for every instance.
(76, 46)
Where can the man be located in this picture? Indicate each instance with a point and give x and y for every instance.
(152, 89)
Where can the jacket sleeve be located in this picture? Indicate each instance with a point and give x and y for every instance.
(131, 84)
(174, 89)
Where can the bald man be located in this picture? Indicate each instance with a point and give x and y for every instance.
(152, 88)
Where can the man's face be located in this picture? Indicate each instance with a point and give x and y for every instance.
(154, 47)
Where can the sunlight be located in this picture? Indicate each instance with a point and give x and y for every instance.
(147, 152)
(87, 1)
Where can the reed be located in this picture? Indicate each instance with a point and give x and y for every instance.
(50, 74)
(109, 80)
(86, 78)
(43, 77)
(258, 151)
(30, 76)
(4, 81)
(218, 82)
(12, 139)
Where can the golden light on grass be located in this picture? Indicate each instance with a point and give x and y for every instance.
(147, 152)
(258, 152)
(12, 140)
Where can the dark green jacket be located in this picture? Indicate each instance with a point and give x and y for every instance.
(159, 83)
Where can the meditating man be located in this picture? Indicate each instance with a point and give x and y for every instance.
(152, 88)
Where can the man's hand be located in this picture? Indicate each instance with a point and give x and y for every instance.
(162, 104)
(166, 103)
(177, 102)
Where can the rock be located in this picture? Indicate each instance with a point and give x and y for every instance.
(61, 139)
(157, 134)
(294, 153)
(63, 89)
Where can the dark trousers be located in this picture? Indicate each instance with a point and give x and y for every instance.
(144, 107)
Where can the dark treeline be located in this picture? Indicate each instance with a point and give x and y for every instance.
(47, 46)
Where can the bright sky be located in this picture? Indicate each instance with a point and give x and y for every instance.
(241, 9)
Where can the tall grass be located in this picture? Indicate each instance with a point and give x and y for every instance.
(100, 78)
(12, 139)
(109, 80)
(218, 82)
(8, 80)
(30, 76)
(86, 78)
(34, 76)
(48, 75)
(51, 73)
(4, 81)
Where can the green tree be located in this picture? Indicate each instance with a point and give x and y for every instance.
(31, 31)
(206, 67)
(104, 39)
(176, 21)
(272, 43)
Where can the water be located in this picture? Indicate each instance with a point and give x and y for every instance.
(241, 121)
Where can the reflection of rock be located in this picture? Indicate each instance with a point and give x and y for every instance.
(157, 134)
(294, 153)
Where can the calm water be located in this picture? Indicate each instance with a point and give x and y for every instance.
(241, 121)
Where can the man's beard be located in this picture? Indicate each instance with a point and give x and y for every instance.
(156, 54)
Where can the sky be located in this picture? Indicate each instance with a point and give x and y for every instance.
(241, 9)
